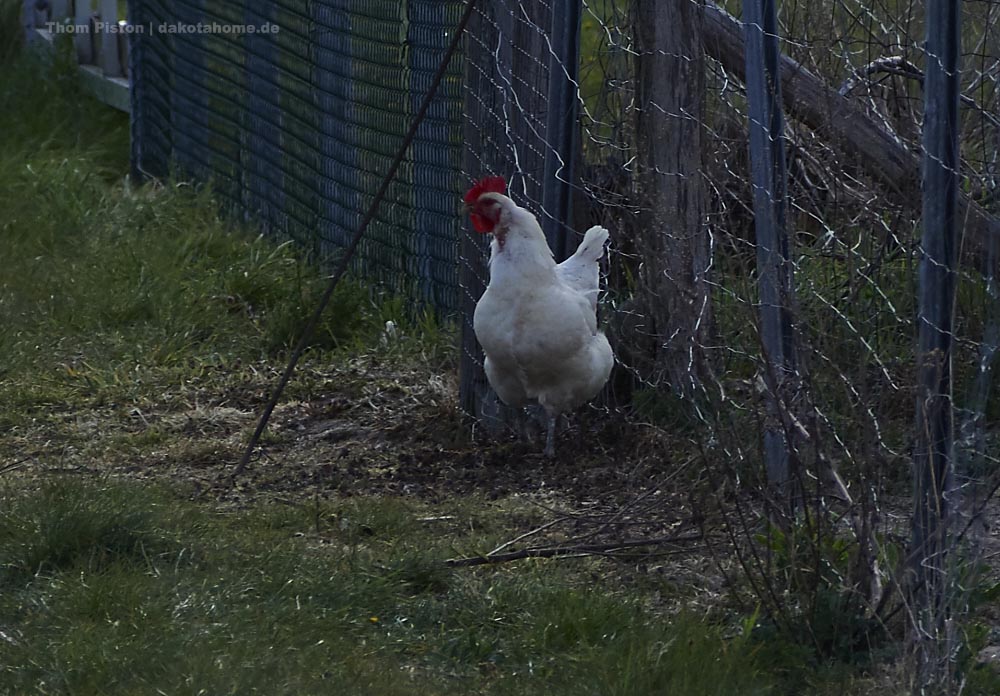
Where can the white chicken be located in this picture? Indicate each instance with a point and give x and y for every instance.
(537, 320)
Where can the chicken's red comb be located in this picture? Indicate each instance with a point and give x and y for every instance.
(489, 184)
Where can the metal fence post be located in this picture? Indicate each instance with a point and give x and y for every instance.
(767, 163)
(561, 130)
(137, 83)
(932, 455)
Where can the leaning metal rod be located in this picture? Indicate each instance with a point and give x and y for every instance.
(349, 252)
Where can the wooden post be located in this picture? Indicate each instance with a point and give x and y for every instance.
(28, 19)
(673, 242)
(83, 38)
(58, 10)
(107, 39)
(124, 47)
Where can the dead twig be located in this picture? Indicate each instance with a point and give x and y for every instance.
(15, 465)
(524, 536)
(570, 549)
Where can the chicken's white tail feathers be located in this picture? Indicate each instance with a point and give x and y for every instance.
(580, 271)
(592, 247)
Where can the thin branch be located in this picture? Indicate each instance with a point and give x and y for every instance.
(575, 550)
(15, 465)
(893, 65)
(524, 536)
(898, 65)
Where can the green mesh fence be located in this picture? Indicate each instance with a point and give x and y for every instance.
(294, 110)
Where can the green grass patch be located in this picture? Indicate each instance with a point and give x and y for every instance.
(111, 293)
(115, 298)
(111, 588)
(141, 327)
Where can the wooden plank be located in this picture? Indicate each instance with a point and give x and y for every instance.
(83, 37)
(107, 39)
(113, 91)
(58, 10)
(29, 18)
(44, 37)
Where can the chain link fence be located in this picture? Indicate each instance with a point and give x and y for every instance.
(598, 111)
(852, 77)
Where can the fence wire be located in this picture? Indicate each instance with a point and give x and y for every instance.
(853, 226)
(632, 114)
(663, 162)
(295, 126)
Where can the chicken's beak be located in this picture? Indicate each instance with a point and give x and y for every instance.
(465, 208)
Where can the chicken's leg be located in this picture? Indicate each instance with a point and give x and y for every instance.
(526, 424)
(550, 438)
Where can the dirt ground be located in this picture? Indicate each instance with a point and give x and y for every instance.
(371, 427)
(376, 427)
(367, 427)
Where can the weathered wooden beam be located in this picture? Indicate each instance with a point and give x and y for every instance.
(845, 127)
(107, 39)
(59, 10)
(113, 91)
(83, 37)
(29, 18)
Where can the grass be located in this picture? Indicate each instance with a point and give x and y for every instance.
(109, 291)
(114, 588)
(124, 304)
(119, 299)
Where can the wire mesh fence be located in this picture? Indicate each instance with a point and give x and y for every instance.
(635, 114)
(665, 160)
(294, 126)
(293, 110)
(852, 80)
